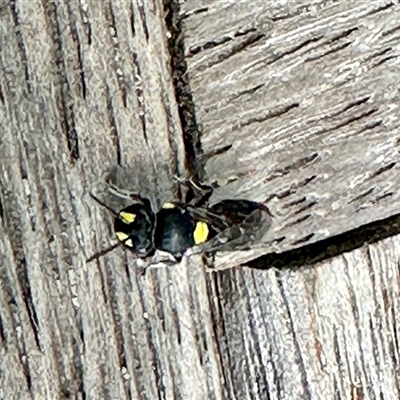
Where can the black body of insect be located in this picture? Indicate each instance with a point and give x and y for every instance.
(234, 224)
(175, 228)
(134, 227)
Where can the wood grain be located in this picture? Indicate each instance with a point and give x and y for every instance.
(88, 86)
(324, 332)
(84, 88)
(298, 106)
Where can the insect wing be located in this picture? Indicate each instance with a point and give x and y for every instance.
(215, 221)
(245, 223)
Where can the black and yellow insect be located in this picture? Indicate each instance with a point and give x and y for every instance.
(134, 227)
(234, 224)
(175, 228)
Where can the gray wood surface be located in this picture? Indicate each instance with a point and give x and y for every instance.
(87, 86)
(299, 104)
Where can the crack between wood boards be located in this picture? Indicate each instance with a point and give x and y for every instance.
(215, 152)
(249, 91)
(296, 222)
(305, 207)
(132, 20)
(3, 337)
(15, 235)
(294, 202)
(362, 195)
(183, 94)
(379, 198)
(332, 40)
(309, 254)
(378, 54)
(1, 206)
(369, 126)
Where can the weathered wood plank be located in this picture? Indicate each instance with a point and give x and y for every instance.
(298, 105)
(81, 87)
(329, 331)
(85, 87)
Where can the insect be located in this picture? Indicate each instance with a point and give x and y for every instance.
(236, 225)
(134, 227)
(176, 228)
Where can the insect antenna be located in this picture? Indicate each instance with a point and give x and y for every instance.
(104, 252)
(97, 200)
(101, 253)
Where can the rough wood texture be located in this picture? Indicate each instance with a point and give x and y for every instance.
(298, 105)
(85, 86)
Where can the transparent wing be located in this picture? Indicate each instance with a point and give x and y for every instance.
(244, 224)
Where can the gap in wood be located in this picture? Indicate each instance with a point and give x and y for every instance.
(184, 97)
(331, 247)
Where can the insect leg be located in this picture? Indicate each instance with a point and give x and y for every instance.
(125, 194)
(198, 194)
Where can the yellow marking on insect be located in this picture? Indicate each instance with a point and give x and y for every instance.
(121, 236)
(129, 243)
(128, 218)
(200, 233)
(168, 205)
